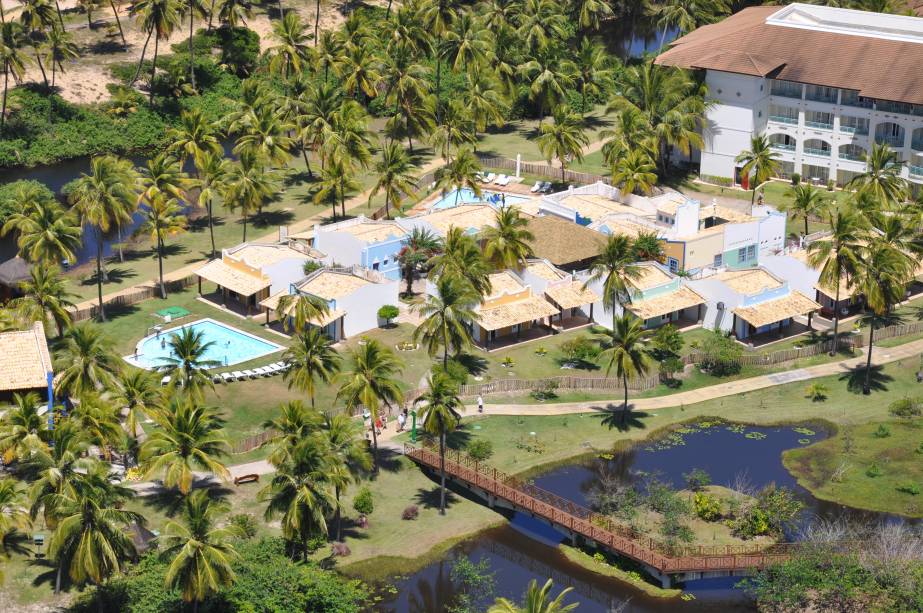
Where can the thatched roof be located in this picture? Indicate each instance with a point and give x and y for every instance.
(236, 280)
(562, 242)
(750, 281)
(518, 312)
(24, 359)
(570, 295)
(272, 303)
(771, 311)
(683, 298)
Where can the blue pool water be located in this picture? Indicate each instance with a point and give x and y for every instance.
(228, 345)
(466, 196)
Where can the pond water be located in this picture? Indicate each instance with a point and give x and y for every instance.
(525, 549)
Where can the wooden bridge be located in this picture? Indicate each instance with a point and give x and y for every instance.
(666, 562)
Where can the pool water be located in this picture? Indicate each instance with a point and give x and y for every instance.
(466, 196)
(228, 345)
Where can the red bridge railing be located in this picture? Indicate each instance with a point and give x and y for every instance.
(600, 528)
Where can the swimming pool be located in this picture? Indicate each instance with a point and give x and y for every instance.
(228, 345)
(466, 196)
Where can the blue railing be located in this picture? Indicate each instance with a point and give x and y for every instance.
(855, 157)
(819, 125)
(853, 130)
(916, 170)
(780, 119)
(892, 141)
(812, 151)
(782, 146)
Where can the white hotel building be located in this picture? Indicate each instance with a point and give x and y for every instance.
(822, 83)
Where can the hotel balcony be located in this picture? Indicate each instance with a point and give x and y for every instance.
(916, 171)
(852, 130)
(782, 147)
(821, 152)
(817, 125)
(895, 142)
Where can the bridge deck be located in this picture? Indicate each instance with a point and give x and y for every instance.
(599, 528)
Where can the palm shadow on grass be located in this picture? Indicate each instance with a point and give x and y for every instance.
(389, 461)
(474, 364)
(115, 275)
(268, 219)
(615, 417)
(855, 379)
(429, 499)
(170, 501)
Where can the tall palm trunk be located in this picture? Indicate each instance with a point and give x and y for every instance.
(211, 227)
(867, 385)
(41, 67)
(118, 21)
(445, 342)
(150, 99)
(191, 48)
(57, 8)
(141, 61)
(53, 66)
(304, 153)
(211, 14)
(388, 12)
(337, 517)
(438, 93)
(99, 275)
(387, 210)
(836, 317)
(118, 230)
(442, 473)
(625, 405)
(245, 225)
(89, 16)
(6, 82)
(374, 418)
(57, 579)
(163, 288)
(316, 23)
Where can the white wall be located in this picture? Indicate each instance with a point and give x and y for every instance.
(733, 119)
(340, 247)
(737, 235)
(687, 218)
(799, 275)
(362, 306)
(284, 273)
(771, 233)
(715, 292)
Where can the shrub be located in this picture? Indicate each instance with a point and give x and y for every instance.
(706, 506)
(455, 370)
(830, 185)
(909, 488)
(410, 513)
(752, 522)
(796, 178)
(244, 522)
(388, 312)
(508, 362)
(883, 431)
(311, 266)
(873, 471)
(363, 502)
(817, 392)
(721, 355)
(669, 367)
(773, 510)
(546, 390)
(697, 479)
(480, 449)
(715, 180)
(580, 349)
(339, 550)
(906, 408)
(666, 341)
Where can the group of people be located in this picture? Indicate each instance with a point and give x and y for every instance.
(382, 422)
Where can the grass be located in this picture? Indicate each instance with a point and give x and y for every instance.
(838, 468)
(631, 577)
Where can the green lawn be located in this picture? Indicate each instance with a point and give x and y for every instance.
(840, 468)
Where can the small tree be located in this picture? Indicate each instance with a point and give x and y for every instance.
(817, 392)
(666, 341)
(697, 479)
(388, 312)
(363, 502)
(669, 367)
(480, 449)
(722, 355)
(906, 408)
(706, 506)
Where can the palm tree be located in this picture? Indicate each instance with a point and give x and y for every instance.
(194, 137)
(235, 12)
(441, 406)
(90, 535)
(360, 72)
(421, 245)
(437, 17)
(137, 391)
(37, 17)
(348, 137)
(14, 520)
(301, 309)
(46, 232)
(882, 278)
(837, 256)
(86, 361)
(616, 269)
(115, 12)
(213, 171)
(461, 172)
(760, 163)
(162, 218)
(456, 130)
(462, 258)
(485, 104)
(312, 358)
(687, 15)
(540, 22)
(294, 423)
(266, 137)
(623, 350)
(194, 8)
(630, 131)
(807, 202)
(506, 244)
(45, 296)
(337, 180)
(22, 429)
(592, 63)
(188, 436)
(187, 365)
(103, 198)
(468, 44)
(158, 18)
(549, 78)
(59, 49)
(201, 551)
(98, 418)
(882, 177)
(589, 13)
(634, 173)
(291, 49)
(537, 601)
(394, 176)
(564, 138)
(55, 469)
(447, 315)
(647, 247)
(12, 39)
(248, 187)
(371, 381)
(300, 493)
(348, 449)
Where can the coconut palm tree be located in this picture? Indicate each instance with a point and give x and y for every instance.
(359, 71)
(193, 8)
(506, 244)
(687, 15)
(14, 520)
(188, 436)
(235, 12)
(86, 361)
(882, 177)
(300, 493)
(760, 163)
(22, 429)
(635, 173)
(37, 17)
(371, 380)
(103, 198)
(807, 202)
(447, 316)
(266, 137)
(294, 423)
(467, 44)
(46, 232)
(616, 269)
(330, 53)
(348, 139)
(623, 349)
(137, 391)
(347, 449)
(590, 12)
(592, 62)
(549, 78)
(629, 131)
(212, 169)
(194, 137)
(59, 49)
(291, 50)
(421, 245)
(441, 415)
(90, 537)
(837, 255)
(301, 310)
(484, 102)
(563, 139)
(312, 358)
(395, 179)
(200, 549)
(162, 218)
(456, 130)
(539, 22)
(647, 247)
(462, 172)
(537, 600)
(55, 469)
(98, 418)
(159, 18)
(45, 296)
(115, 13)
(248, 187)
(437, 17)
(461, 257)
(187, 365)
(14, 60)
(338, 178)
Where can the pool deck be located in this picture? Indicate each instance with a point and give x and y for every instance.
(515, 188)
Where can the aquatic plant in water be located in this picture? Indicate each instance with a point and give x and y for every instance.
(738, 428)
(804, 431)
(756, 436)
(805, 441)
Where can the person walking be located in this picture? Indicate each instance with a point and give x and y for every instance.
(480, 404)
(401, 419)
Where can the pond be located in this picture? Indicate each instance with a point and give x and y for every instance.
(525, 549)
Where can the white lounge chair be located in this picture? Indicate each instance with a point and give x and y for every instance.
(264, 371)
(238, 375)
(489, 177)
(500, 179)
(274, 369)
(228, 377)
(165, 381)
(546, 187)
(504, 180)
(216, 378)
(249, 374)
(536, 187)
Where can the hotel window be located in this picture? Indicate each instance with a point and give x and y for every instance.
(820, 93)
(783, 114)
(850, 97)
(717, 261)
(788, 89)
(854, 125)
(751, 252)
(673, 263)
(817, 119)
(741, 254)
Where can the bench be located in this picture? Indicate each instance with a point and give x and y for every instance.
(246, 479)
